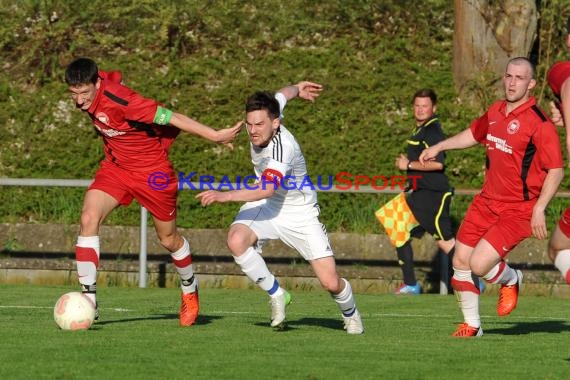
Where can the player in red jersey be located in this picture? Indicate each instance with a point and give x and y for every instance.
(559, 81)
(523, 171)
(137, 133)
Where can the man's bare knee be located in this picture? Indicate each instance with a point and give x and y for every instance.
(172, 242)
(89, 223)
(331, 285)
(239, 239)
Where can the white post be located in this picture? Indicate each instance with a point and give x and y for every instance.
(142, 254)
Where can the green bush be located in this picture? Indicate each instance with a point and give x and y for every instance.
(203, 58)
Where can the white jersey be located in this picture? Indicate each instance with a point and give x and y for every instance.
(283, 154)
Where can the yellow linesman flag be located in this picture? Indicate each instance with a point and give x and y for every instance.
(397, 219)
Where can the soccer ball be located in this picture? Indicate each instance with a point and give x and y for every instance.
(74, 311)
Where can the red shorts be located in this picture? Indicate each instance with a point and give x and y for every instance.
(564, 222)
(155, 190)
(503, 225)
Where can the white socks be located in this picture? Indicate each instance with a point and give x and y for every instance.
(182, 260)
(562, 263)
(87, 261)
(345, 299)
(502, 274)
(254, 267)
(467, 296)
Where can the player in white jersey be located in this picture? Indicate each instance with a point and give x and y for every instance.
(278, 207)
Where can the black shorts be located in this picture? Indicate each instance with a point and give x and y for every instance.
(431, 209)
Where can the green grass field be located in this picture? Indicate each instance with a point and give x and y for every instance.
(138, 337)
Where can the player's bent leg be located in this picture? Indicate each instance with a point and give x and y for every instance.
(341, 291)
(510, 280)
(487, 262)
(240, 241)
(240, 238)
(255, 268)
(168, 234)
(190, 301)
(468, 298)
(325, 270)
(97, 205)
(466, 292)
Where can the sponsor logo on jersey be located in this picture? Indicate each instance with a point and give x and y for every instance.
(500, 144)
(110, 132)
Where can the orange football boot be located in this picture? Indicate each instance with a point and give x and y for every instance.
(508, 296)
(189, 308)
(466, 331)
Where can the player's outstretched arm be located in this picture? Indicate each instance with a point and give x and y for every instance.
(222, 136)
(256, 192)
(463, 139)
(304, 90)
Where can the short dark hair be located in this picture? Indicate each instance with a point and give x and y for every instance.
(426, 93)
(519, 60)
(81, 71)
(263, 100)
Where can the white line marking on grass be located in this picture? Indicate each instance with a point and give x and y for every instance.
(118, 309)
(394, 315)
(234, 312)
(398, 315)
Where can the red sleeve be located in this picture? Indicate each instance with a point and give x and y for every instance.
(140, 109)
(557, 74)
(479, 128)
(548, 144)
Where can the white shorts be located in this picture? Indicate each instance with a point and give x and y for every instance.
(297, 226)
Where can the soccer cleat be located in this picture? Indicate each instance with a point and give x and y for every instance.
(278, 305)
(189, 308)
(353, 324)
(508, 296)
(409, 289)
(466, 331)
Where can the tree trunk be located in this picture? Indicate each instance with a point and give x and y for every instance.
(487, 34)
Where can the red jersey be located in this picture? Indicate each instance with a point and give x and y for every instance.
(520, 148)
(557, 74)
(134, 130)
